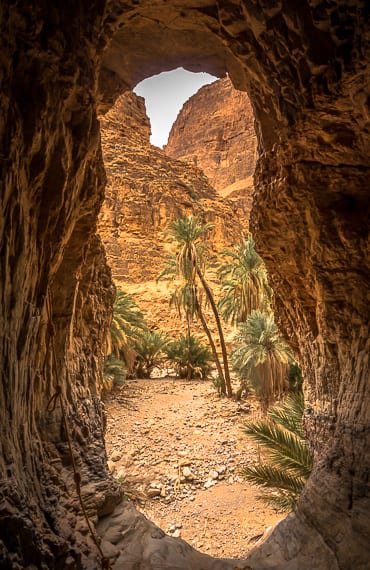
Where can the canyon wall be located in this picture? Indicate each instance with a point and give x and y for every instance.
(215, 131)
(146, 190)
(56, 290)
(306, 69)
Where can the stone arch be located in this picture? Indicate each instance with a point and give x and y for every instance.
(306, 69)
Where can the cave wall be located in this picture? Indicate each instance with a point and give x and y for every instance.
(52, 181)
(306, 69)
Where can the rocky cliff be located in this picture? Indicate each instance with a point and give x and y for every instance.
(306, 67)
(215, 131)
(146, 190)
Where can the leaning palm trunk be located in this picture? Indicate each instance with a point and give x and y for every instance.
(220, 332)
(213, 348)
(188, 335)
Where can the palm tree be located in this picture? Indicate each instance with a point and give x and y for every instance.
(127, 322)
(114, 371)
(289, 460)
(188, 264)
(187, 298)
(149, 347)
(191, 357)
(262, 357)
(244, 282)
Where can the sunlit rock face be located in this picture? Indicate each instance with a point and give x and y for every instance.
(146, 190)
(306, 69)
(215, 131)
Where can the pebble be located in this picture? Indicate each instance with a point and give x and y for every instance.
(174, 465)
(116, 456)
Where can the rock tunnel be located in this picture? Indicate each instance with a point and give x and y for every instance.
(305, 66)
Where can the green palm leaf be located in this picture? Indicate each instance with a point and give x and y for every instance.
(261, 356)
(280, 500)
(269, 476)
(282, 447)
(188, 351)
(289, 414)
(245, 287)
(150, 347)
(288, 461)
(114, 369)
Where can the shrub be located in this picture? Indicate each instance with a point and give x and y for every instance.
(114, 372)
(150, 348)
(190, 356)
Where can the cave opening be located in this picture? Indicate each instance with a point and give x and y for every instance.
(147, 188)
(306, 69)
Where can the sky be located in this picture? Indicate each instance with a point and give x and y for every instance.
(164, 96)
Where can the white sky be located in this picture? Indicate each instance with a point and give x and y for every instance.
(164, 96)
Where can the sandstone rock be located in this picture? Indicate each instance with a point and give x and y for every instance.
(153, 492)
(186, 471)
(116, 456)
(306, 69)
(146, 190)
(176, 533)
(215, 131)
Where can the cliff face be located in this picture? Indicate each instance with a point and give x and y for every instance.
(215, 131)
(306, 68)
(146, 190)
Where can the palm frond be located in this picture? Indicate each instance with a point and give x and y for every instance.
(261, 355)
(268, 476)
(169, 270)
(244, 281)
(279, 500)
(189, 351)
(289, 414)
(288, 461)
(114, 369)
(281, 446)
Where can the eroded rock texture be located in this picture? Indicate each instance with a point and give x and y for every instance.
(215, 131)
(306, 68)
(146, 190)
(51, 189)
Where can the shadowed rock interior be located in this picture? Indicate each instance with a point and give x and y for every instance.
(305, 67)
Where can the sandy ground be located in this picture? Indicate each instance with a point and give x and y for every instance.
(178, 449)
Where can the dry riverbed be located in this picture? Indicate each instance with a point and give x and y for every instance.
(178, 448)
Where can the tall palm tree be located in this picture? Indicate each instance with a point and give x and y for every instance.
(288, 460)
(262, 356)
(189, 265)
(127, 322)
(244, 282)
(187, 298)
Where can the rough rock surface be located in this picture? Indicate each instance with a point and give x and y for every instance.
(215, 131)
(146, 190)
(306, 68)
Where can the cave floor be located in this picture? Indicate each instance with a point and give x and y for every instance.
(178, 448)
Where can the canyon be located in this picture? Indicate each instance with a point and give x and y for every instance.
(215, 131)
(147, 189)
(305, 68)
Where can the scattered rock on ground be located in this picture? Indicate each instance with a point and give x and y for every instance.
(181, 449)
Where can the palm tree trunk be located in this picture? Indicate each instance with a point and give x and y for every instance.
(190, 371)
(220, 332)
(213, 348)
